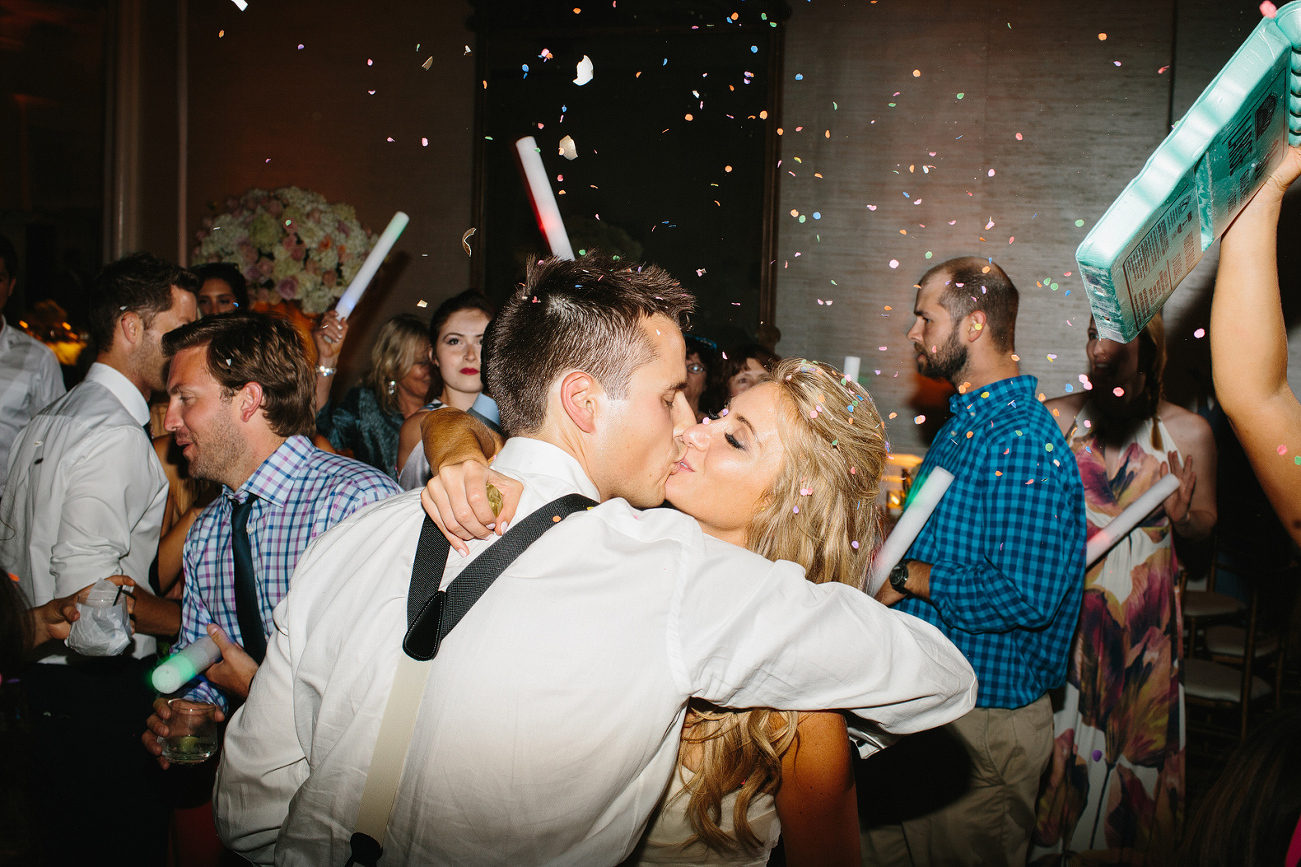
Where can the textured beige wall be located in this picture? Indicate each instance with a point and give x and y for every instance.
(1037, 69)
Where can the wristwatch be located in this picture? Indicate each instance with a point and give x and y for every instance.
(899, 575)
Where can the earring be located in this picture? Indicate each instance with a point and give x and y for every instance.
(392, 387)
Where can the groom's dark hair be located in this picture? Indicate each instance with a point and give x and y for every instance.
(582, 314)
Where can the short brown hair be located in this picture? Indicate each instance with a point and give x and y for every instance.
(246, 347)
(141, 284)
(978, 284)
(583, 314)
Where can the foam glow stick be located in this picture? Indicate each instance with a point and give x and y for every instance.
(851, 367)
(181, 668)
(542, 198)
(1119, 527)
(368, 268)
(914, 517)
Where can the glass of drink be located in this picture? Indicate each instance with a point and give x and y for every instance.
(192, 731)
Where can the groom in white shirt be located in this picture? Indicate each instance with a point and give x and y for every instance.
(84, 500)
(549, 725)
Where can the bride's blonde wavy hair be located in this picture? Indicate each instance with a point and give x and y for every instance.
(820, 512)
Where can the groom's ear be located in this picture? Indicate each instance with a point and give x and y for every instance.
(578, 395)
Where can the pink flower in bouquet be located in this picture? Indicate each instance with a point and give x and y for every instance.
(264, 269)
(313, 267)
(253, 274)
(329, 278)
(343, 228)
(288, 288)
(273, 207)
(298, 251)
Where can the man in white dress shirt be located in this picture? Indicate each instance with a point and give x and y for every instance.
(30, 377)
(84, 500)
(549, 727)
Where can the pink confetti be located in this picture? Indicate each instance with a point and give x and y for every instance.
(881, 348)
(1011, 239)
(1282, 450)
(854, 544)
(1118, 391)
(1018, 136)
(1199, 333)
(894, 263)
(1269, 10)
(424, 142)
(871, 207)
(919, 419)
(1117, 62)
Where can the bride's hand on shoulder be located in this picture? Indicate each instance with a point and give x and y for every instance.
(458, 500)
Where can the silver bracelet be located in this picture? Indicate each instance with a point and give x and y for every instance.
(326, 371)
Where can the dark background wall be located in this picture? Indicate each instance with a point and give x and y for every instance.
(265, 113)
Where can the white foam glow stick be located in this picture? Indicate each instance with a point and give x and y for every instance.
(1119, 527)
(185, 665)
(912, 520)
(368, 268)
(542, 198)
(850, 369)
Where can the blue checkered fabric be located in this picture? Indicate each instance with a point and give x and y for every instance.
(1006, 544)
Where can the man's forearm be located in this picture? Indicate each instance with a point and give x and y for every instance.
(154, 616)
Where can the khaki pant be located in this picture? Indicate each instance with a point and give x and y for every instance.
(987, 766)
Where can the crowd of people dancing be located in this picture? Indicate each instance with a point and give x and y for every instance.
(655, 553)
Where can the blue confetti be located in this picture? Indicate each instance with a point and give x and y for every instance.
(799, 76)
(817, 216)
(754, 49)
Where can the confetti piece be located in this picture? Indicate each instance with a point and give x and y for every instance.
(430, 62)
(1117, 62)
(893, 414)
(1102, 37)
(991, 173)
(1118, 391)
(567, 148)
(584, 69)
(960, 95)
(854, 544)
(1018, 136)
(1268, 9)
(241, 5)
(300, 48)
(1199, 333)
(424, 142)
(1079, 223)
(799, 76)
(894, 263)
(919, 419)
(727, 168)
(465, 242)
(917, 73)
(871, 207)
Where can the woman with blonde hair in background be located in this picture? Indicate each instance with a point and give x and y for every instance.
(790, 471)
(367, 421)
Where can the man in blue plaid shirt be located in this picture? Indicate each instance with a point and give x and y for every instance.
(241, 392)
(999, 568)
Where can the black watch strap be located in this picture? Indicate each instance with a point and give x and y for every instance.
(899, 575)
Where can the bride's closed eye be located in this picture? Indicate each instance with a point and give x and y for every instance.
(733, 442)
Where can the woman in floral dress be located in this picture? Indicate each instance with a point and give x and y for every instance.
(1114, 792)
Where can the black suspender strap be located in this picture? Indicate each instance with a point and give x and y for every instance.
(431, 614)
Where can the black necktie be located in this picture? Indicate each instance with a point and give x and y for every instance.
(247, 610)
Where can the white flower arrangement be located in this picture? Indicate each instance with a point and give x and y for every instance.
(291, 244)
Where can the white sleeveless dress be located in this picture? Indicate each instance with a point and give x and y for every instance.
(661, 845)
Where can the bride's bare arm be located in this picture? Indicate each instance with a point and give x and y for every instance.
(817, 802)
(1249, 346)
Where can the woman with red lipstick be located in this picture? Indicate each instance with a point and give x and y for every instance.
(1115, 788)
(456, 337)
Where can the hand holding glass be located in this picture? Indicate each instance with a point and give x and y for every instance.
(191, 731)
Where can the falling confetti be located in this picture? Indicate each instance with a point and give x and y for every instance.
(1268, 9)
(1102, 37)
(584, 72)
(465, 242)
(1118, 391)
(919, 419)
(1199, 333)
(1282, 450)
(894, 263)
(567, 148)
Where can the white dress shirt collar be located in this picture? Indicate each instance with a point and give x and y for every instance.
(122, 388)
(539, 458)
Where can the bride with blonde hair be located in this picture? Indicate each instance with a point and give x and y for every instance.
(790, 470)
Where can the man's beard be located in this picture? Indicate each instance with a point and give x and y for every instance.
(947, 362)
